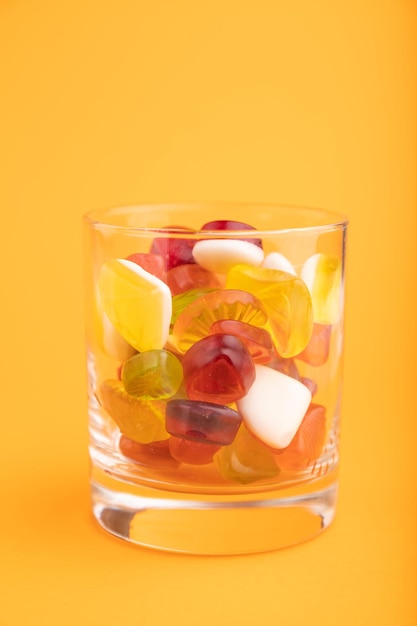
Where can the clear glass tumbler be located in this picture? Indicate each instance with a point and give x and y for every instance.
(214, 352)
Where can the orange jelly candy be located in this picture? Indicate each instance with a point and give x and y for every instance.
(195, 321)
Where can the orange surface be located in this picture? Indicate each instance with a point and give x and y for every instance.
(105, 103)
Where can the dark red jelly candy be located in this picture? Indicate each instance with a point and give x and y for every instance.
(155, 454)
(202, 421)
(219, 369)
(175, 250)
(231, 225)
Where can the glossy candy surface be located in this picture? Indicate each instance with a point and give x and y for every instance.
(191, 276)
(232, 225)
(195, 320)
(155, 454)
(220, 255)
(257, 340)
(202, 421)
(274, 407)
(152, 263)
(286, 300)
(317, 350)
(218, 369)
(246, 460)
(323, 276)
(192, 452)
(137, 303)
(150, 375)
(308, 442)
(139, 420)
(174, 250)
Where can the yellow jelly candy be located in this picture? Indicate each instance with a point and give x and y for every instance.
(140, 420)
(323, 276)
(137, 303)
(286, 300)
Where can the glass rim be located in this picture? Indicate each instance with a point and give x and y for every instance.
(104, 219)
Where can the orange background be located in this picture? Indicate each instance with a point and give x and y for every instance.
(106, 103)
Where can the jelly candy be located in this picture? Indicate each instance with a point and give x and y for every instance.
(151, 375)
(323, 276)
(308, 442)
(192, 452)
(155, 454)
(285, 298)
(111, 340)
(140, 420)
(257, 340)
(152, 263)
(202, 421)
(274, 407)
(232, 225)
(317, 350)
(182, 300)
(246, 459)
(137, 303)
(285, 366)
(175, 250)
(185, 277)
(219, 255)
(195, 321)
(277, 261)
(218, 369)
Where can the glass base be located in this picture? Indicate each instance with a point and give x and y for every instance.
(213, 524)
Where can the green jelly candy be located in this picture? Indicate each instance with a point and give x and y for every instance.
(152, 375)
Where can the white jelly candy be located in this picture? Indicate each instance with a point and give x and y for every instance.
(277, 261)
(219, 255)
(274, 407)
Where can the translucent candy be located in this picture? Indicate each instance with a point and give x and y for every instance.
(137, 303)
(317, 350)
(152, 263)
(286, 300)
(218, 369)
(195, 321)
(323, 276)
(174, 250)
(231, 225)
(257, 340)
(202, 421)
(151, 375)
(155, 454)
(246, 459)
(192, 452)
(308, 442)
(182, 300)
(274, 407)
(140, 420)
(191, 276)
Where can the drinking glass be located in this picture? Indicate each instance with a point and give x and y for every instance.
(214, 355)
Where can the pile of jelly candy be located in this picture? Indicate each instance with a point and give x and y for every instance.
(205, 333)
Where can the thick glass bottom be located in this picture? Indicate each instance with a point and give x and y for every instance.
(213, 524)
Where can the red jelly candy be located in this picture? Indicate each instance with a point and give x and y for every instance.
(202, 421)
(191, 276)
(257, 340)
(219, 369)
(155, 454)
(192, 452)
(152, 263)
(307, 443)
(174, 250)
(317, 350)
(231, 225)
